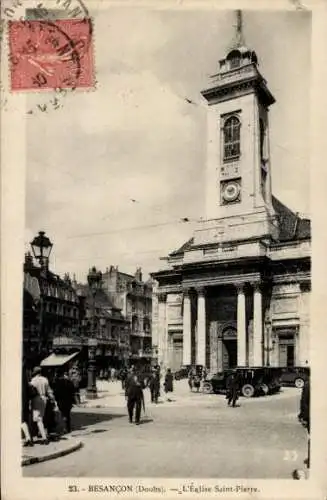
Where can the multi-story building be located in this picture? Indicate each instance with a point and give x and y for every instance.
(134, 297)
(237, 292)
(105, 323)
(60, 316)
(51, 309)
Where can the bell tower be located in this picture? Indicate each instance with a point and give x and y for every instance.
(238, 175)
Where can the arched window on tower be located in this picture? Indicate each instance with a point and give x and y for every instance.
(235, 61)
(232, 128)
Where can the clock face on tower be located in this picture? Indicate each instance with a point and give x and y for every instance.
(230, 191)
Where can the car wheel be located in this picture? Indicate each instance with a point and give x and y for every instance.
(207, 389)
(299, 383)
(248, 391)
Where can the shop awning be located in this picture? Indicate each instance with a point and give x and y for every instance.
(58, 359)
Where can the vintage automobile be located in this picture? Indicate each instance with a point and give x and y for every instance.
(295, 375)
(255, 381)
(183, 372)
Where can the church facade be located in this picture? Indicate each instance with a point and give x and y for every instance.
(237, 293)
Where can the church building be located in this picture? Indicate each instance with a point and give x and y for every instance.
(237, 292)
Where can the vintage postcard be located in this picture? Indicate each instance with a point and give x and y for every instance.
(163, 225)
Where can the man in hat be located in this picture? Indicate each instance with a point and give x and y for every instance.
(233, 387)
(135, 399)
(129, 378)
(39, 402)
(154, 385)
(65, 395)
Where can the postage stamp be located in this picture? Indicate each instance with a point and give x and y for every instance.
(46, 55)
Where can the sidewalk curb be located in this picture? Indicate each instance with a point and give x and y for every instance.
(51, 456)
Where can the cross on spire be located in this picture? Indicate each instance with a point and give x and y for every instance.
(239, 21)
(239, 38)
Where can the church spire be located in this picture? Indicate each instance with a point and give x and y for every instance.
(239, 37)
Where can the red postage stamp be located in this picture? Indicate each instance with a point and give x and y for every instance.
(51, 54)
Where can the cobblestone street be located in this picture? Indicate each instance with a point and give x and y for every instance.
(195, 435)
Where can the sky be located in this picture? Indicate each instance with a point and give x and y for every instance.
(135, 137)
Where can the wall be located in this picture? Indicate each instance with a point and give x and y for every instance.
(304, 332)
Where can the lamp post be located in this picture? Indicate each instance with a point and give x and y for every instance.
(94, 280)
(41, 248)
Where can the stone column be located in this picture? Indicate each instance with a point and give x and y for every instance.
(162, 327)
(267, 344)
(274, 355)
(213, 346)
(250, 343)
(257, 325)
(186, 328)
(241, 326)
(220, 354)
(201, 329)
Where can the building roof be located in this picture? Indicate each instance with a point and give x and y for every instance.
(186, 246)
(102, 302)
(101, 298)
(291, 227)
(46, 277)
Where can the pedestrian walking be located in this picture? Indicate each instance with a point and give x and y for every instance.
(129, 378)
(197, 382)
(123, 377)
(75, 377)
(232, 386)
(40, 400)
(113, 374)
(64, 392)
(168, 384)
(190, 380)
(154, 386)
(135, 399)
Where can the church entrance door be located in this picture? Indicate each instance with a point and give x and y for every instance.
(230, 358)
(229, 343)
(176, 359)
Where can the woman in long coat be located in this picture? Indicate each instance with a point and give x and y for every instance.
(168, 384)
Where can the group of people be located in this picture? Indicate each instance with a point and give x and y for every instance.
(198, 375)
(44, 404)
(195, 377)
(135, 383)
(110, 374)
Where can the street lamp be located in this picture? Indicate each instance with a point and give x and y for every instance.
(41, 247)
(94, 280)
